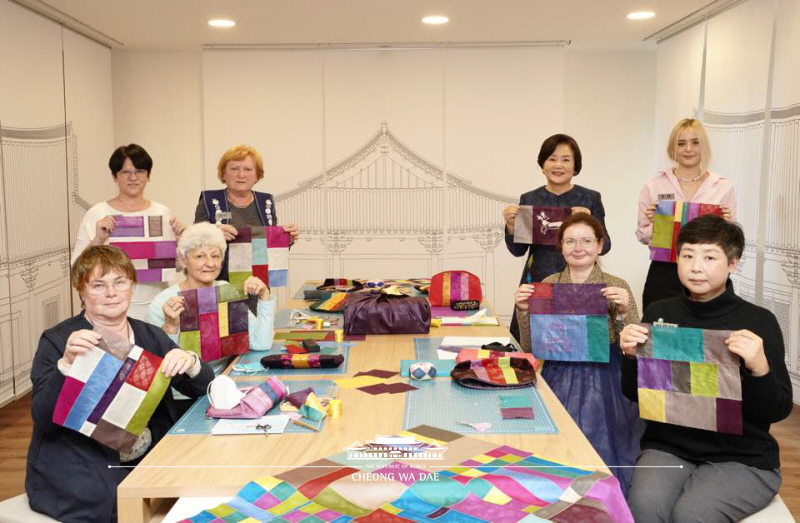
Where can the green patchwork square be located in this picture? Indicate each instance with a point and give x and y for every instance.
(190, 341)
(283, 491)
(704, 379)
(679, 344)
(230, 292)
(598, 338)
(237, 279)
(663, 230)
(479, 487)
(508, 402)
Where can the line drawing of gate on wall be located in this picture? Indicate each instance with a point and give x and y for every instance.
(385, 190)
(737, 143)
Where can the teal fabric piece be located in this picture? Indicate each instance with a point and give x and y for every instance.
(509, 402)
(674, 344)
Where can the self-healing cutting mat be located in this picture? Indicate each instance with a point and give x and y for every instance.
(252, 358)
(443, 403)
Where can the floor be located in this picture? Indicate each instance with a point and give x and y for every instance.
(15, 434)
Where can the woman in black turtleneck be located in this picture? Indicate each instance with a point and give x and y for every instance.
(722, 477)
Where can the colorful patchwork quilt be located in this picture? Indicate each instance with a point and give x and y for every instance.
(149, 243)
(111, 392)
(475, 481)
(670, 216)
(569, 322)
(262, 252)
(689, 377)
(539, 225)
(215, 322)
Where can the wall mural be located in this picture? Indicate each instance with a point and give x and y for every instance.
(385, 190)
(34, 251)
(737, 143)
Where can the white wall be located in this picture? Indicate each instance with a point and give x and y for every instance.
(158, 104)
(609, 108)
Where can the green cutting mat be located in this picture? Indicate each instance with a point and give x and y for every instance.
(441, 403)
(194, 421)
(425, 348)
(326, 347)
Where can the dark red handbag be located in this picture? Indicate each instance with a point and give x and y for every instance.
(380, 313)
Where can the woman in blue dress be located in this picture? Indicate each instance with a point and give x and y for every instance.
(592, 392)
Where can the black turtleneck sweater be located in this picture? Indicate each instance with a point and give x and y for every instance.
(765, 400)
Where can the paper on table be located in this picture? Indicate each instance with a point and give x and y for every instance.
(479, 318)
(277, 425)
(472, 341)
(444, 354)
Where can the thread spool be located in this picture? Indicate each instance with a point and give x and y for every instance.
(338, 335)
(319, 324)
(335, 409)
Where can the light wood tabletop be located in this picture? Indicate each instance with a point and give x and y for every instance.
(204, 465)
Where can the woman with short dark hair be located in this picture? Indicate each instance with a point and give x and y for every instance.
(560, 159)
(130, 167)
(70, 476)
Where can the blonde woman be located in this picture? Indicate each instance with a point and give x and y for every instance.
(689, 180)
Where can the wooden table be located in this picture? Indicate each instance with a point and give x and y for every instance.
(204, 465)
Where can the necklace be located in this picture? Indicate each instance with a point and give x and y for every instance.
(681, 180)
(245, 206)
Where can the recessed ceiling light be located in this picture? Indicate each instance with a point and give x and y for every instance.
(221, 22)
(435, 20)
(641, 15)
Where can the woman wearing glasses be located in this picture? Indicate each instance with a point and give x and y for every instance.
(591, 392)
(70, 476)
(130, 170)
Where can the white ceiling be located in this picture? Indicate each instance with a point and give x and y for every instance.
(182, 24)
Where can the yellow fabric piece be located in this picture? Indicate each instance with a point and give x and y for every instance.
(704, 379)
(497, 497)
(446, 289)
(512, 459)
(391, 509)
(473, 473)
(290, 503)
(268, 482)
(508, 373)
(223, 320)
(483, 458)
(652, 405)
(222, 511)
(300, 361)
(359, 381)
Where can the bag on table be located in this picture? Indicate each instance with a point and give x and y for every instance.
(459, 290)
(495, 373)
(256, 402)
(302, 361)
(381, 313)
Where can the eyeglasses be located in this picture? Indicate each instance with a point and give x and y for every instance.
(134, 174)
(572, 242)
(99, 287)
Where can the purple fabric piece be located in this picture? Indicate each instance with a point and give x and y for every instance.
(660, 254)
(111, 391)
(190, 317)
(161, 263)
(546, 221)
(164, 249)
(238, 318)
(655, 374)
(148, 275)
(128, 226)
(729, 416)
(455, 286)
(243, 235)
(128, 221)
(298, 398)
(579, 298)
(210, 345)
(665, 207)
(517, 412)
(207, 300)
(277, 237)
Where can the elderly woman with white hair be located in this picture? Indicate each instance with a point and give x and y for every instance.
(201, 250)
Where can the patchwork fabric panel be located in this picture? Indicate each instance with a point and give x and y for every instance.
(569, 322)
(670, 216)
(215, 322)
(149, 243)
(539, 225)
(335, 303)
(262, 252)
(689, 377)
(111, 392)
(497, 483)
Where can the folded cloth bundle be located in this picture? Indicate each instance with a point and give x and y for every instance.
(302, 361)
(333, 303)
(256, 402)
(494, 373)
(340, 285)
